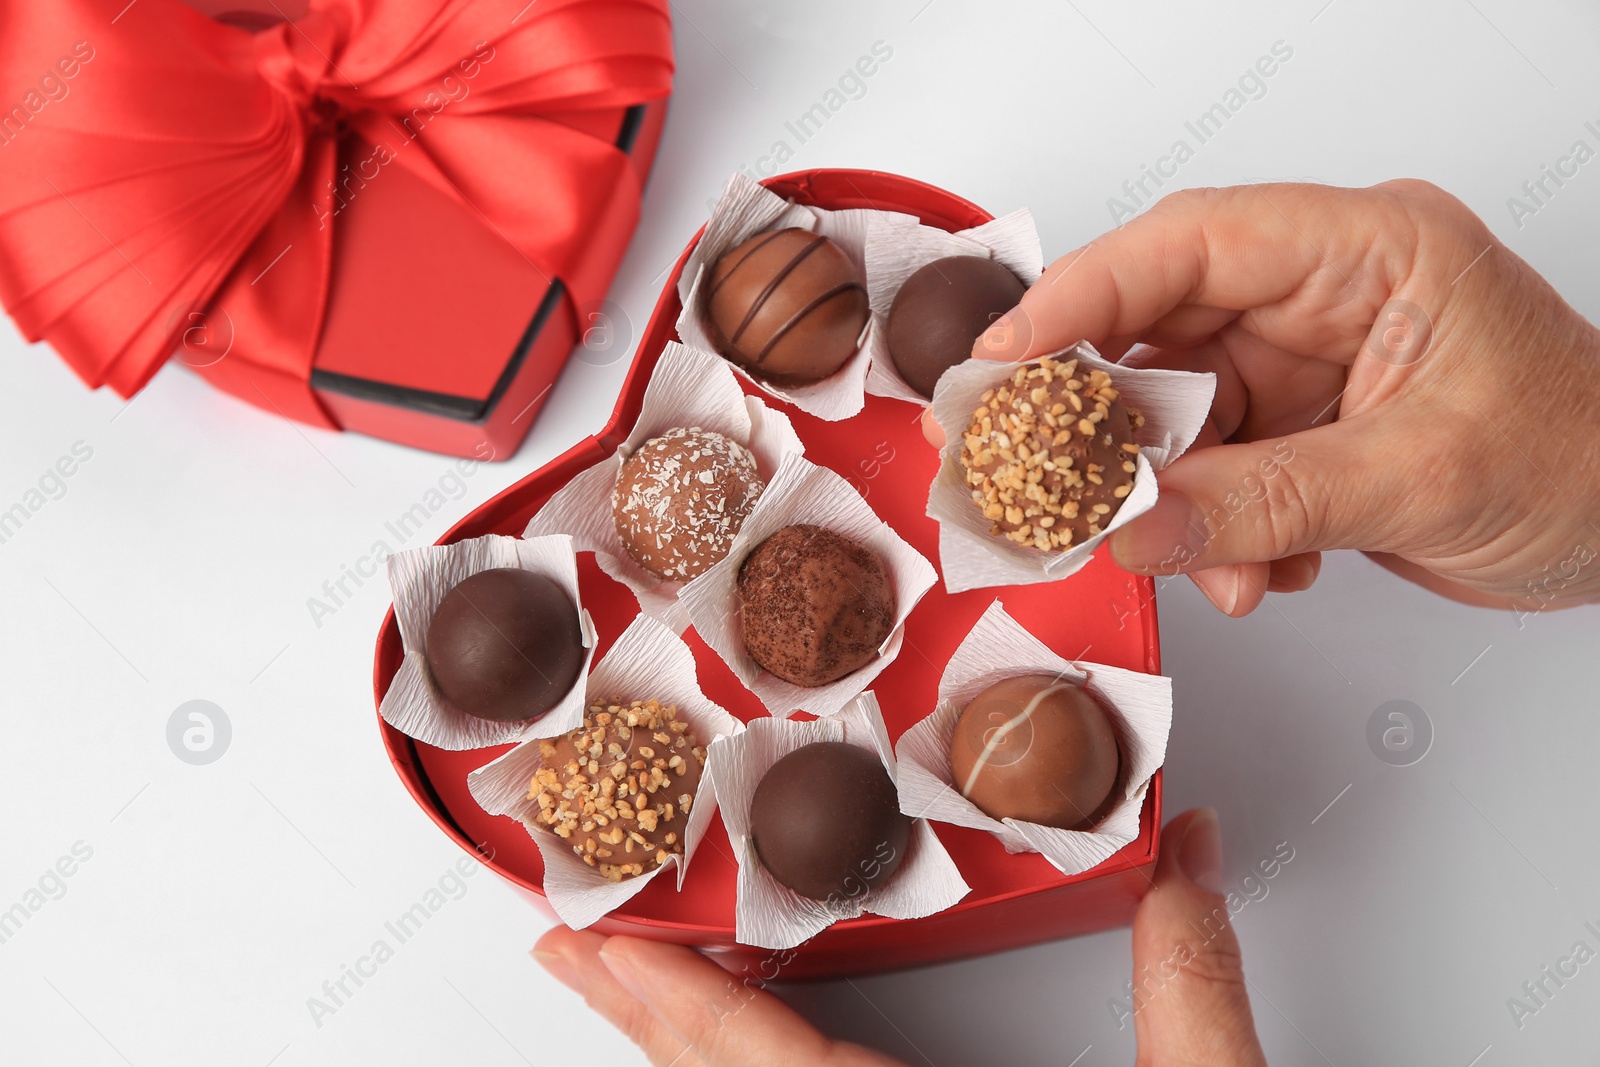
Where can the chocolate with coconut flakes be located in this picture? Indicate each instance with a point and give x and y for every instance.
(681, 498)
(1049, 454)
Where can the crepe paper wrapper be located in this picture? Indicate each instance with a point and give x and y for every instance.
(897, 249)
(1174, 403)
(803, 492)
(770, 915)
(688, 388)
(1140, 707)
(419, 579)
(647, 661)
(744, 210)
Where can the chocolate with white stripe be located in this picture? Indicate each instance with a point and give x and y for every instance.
(788, 306)
(1037, 748)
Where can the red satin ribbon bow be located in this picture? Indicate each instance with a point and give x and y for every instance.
(154, 161)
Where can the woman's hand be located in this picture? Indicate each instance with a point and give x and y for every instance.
(1391, 378)
(684, 1010)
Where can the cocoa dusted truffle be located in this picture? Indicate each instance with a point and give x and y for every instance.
(1038, 749)
(814, 605)
(619, 788)
(826, 821)
(941, 310)
(505, 644)
(787, 306)
(681, 498)
(1049, 454)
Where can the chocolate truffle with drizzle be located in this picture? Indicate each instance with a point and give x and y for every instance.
(788, 306)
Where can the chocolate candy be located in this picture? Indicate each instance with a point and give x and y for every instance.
(505, 645)
(814, 605)
(681, 498)
(826, 821)
(941, 310)
(1049, 454)
(788, 306)
(619, 788)
(1037, 748)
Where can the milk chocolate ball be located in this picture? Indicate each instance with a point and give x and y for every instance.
(619, 788)
(505, 644)
(788, 306)
(1037, 748)
(814, 604)
(941, 310)
(1049, 454)
(826, 821)
(681, 498)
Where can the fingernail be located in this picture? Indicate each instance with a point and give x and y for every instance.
(623, 971)
(1200, 851)
(558, 968)
(1221, 586)
(1164, 540)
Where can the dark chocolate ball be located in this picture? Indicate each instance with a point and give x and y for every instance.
(505, 644)
(788, 306)
(826, 821)
(1037, 748)
(814, 605)
(681, 498)
(941, 310)
(1050, 454)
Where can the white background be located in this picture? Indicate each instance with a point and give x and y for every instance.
(179, 562)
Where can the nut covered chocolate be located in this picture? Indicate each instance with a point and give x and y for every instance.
(1049, 454)
(619, 788)
(826, 821)
(505, 644)
(681, 498)
(1036, 748)
(814, 604)
(788, 306)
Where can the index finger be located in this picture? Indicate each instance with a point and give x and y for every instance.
(1306, 266)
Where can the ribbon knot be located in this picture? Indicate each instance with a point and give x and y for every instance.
(296, 60)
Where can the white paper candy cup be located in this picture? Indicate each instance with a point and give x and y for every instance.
(897, 249)
(688, 388)
(648, 661)
(419, 579)
(1174, 404)
(770, 915)
(744, 210)
(803, 492)
(998, 648)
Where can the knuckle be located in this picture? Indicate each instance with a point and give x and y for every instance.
(1296, 516)
(1218, 964)
(1434, 208)
(1418, 189)
(1190, 202)
(638, 1025)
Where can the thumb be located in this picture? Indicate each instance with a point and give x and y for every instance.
(1335, 486)
(1189, 1002)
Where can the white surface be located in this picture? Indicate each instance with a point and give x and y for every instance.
(179, 562)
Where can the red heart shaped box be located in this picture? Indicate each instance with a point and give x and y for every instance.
(1101, 614)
